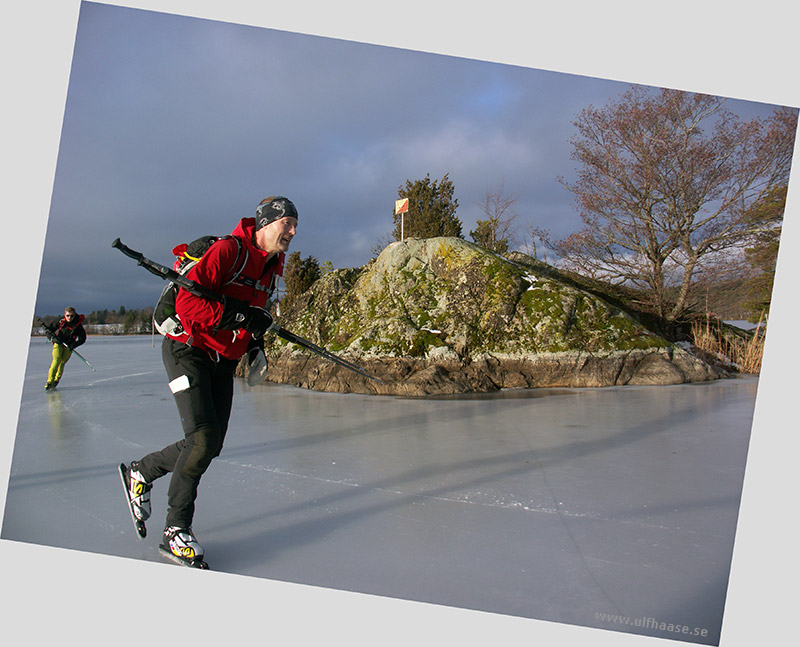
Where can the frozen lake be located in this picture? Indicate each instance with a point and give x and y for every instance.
(611, 508)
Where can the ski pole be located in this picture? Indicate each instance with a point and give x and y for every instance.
(196, 289)
(51, 337)
(167, 273)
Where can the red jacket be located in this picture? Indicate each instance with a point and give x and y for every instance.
(71, 333)
(254, 285)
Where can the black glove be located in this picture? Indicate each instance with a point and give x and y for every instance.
(238, 314)
(258, 322)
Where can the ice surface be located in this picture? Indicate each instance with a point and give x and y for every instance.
(556, 504)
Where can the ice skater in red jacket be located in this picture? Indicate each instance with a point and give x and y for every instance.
(200, 364)
(69, 334)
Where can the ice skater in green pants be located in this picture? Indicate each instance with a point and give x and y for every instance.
(67, 337)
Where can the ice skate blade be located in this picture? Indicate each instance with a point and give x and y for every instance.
(141, 530)
(190, 563)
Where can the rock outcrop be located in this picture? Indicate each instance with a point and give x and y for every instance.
(444, 316)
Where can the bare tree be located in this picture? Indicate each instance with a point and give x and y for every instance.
(531, 235)
(667, 180)
(497, 231)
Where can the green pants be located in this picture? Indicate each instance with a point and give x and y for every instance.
(60, 356)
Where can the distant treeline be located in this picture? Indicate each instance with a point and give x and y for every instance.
(108, 322)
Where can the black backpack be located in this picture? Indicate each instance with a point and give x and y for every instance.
(165, 319)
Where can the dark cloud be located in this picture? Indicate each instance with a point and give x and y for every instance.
(176, 127)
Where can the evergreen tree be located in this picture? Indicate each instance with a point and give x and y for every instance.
(431, 209)
(130, 324)
(300, 274)
(485, 235)
(767, 218)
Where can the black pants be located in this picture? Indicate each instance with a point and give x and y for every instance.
(203, 391)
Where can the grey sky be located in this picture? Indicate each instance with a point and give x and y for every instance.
(176, 127)
(734, 48)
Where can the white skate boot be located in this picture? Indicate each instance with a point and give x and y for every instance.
(181, 546)
(137, 493)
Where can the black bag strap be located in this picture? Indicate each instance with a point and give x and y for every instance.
(239, 249)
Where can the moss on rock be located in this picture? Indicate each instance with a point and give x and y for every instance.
(445, 301)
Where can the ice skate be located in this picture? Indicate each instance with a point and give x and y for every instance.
(137, 494)
(180, 545)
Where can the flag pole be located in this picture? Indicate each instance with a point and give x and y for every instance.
(400, 207)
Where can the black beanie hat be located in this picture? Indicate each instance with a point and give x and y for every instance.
(272, 208)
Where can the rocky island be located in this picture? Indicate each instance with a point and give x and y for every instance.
(443, 316)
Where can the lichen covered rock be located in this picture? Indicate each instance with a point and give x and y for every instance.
(444, 316)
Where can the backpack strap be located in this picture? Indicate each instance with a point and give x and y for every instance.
(256, 284)
(239, 249)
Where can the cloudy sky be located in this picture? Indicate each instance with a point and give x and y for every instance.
(176, 127)
(736, 48)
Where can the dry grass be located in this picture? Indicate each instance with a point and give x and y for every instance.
(745, 353)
